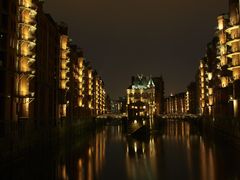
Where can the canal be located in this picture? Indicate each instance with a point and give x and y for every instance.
(177, 151)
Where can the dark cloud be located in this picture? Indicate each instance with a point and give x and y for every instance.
(158, 37)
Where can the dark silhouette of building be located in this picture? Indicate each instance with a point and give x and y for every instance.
(159, 94)
(191, 98)
(8, 48)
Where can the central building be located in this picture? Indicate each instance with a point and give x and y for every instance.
(141, 102)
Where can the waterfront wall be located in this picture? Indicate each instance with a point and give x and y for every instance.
(225, 131)
(15, 147)
(230, 127)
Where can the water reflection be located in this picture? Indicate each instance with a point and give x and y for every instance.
(87, 164)
(177, 151)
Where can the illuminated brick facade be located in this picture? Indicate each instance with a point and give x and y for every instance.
(86, 95)
(44, 84)
(219, 70)
(176, 104)
(64, 69)
(99, 95)
(26, 56)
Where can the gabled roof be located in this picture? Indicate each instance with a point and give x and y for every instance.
(141, 82)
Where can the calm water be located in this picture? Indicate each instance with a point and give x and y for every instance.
(179, 151)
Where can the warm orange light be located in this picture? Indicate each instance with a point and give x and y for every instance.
(236, 73)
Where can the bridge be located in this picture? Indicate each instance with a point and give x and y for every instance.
(132, 126)
(111, 116)
(180, 116)
(165, 116)
(144, 126)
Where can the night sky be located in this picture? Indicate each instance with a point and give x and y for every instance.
(122, 38)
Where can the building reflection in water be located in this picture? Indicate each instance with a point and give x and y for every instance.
(177, 151)
(179, 148)
(87, 164)
(62, 172)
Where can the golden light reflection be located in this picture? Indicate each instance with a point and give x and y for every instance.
(62, 171)
(177, 134)
(62, 110)
(236, 107)
(224, 81)
(80, 169)
(91, 164)
(180, 146)
(236, 73)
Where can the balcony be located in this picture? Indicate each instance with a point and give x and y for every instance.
(234, 67)
(31, 6)
(27, 74)
(32, 10)
(33, 27)
(233, 40)
(68, 60)
(229, 29)
(64, 53)
(232, 53)
(64, 68)
(27, 21)
(31, 43)
(29, 60)
(29, 36)
(23, 94)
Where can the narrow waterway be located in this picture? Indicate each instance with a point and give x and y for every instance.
(178, 151)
